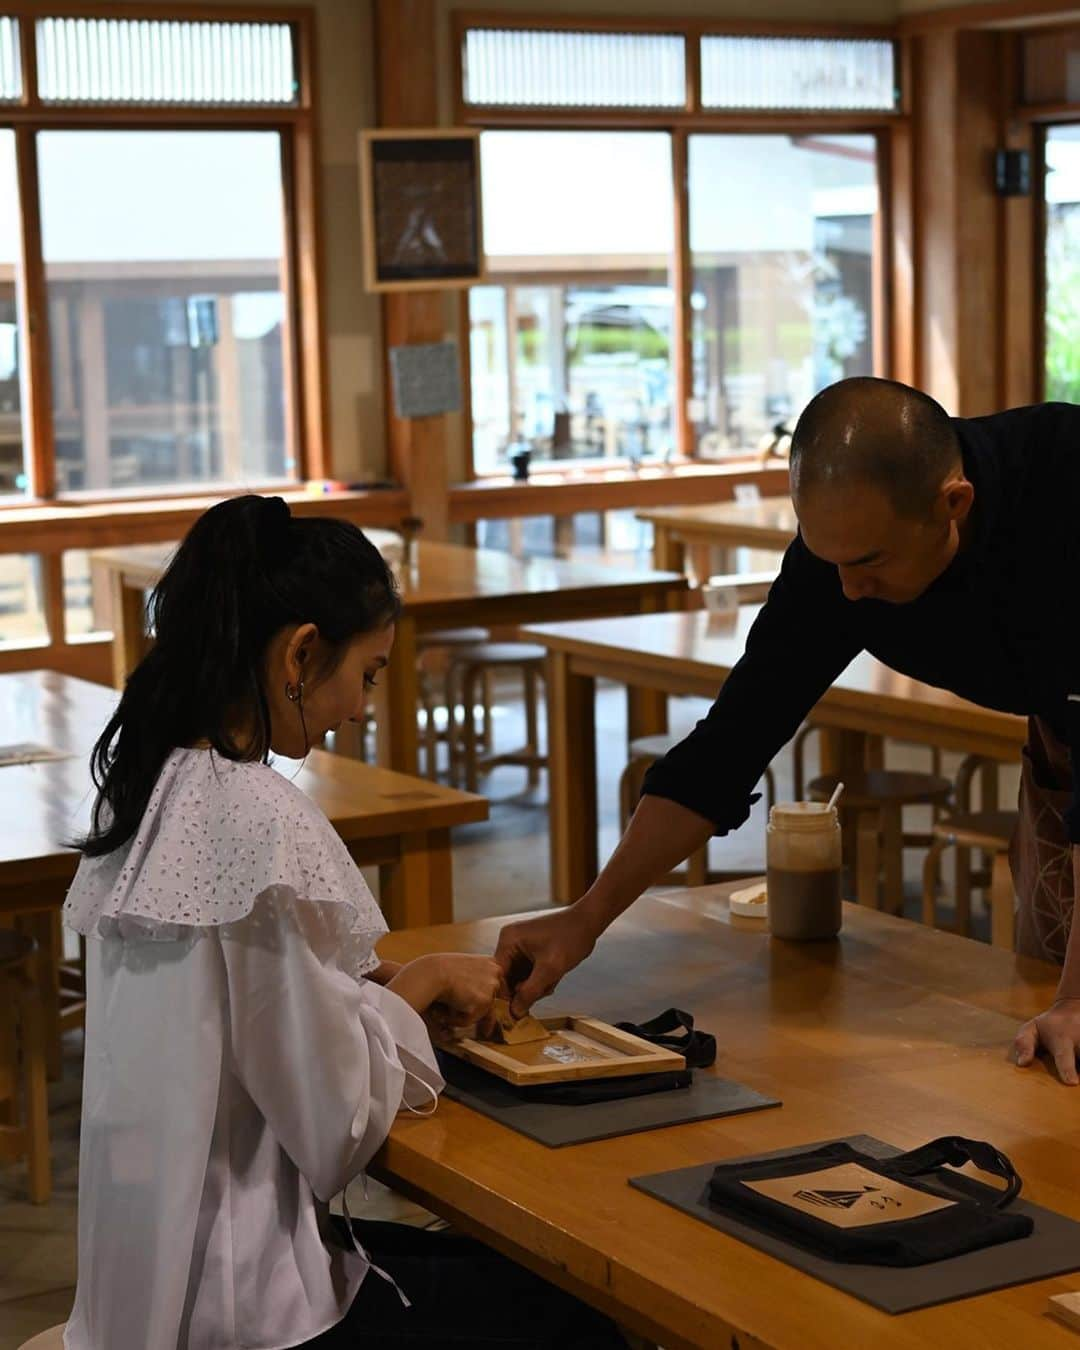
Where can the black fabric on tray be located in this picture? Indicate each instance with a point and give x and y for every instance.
(588, 1091)
(674, 1030)
(961, 1226)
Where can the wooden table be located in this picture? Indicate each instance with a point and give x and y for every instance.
(896, 1031)
(402, 824)
(769, 523)
(688, 653)
(389, 820)
(451, 587)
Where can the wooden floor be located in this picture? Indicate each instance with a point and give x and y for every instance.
(500, 866)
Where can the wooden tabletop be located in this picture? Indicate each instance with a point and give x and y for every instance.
(896, 1030)
(446, 574)
(769, 523)
(44, 805)
(691, 652)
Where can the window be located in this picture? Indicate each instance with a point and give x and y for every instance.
(10, 72)
(816, 74)
(782, 267)
(170, 160)
(1062, 355)
(571, 343)
(149, 61)
(537, 68)
(12, 429)
(164, 266)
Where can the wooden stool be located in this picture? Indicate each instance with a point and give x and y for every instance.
(53, 1339)
(472, 664)
(23, 1134)
(646, 750)
(436, 649)
(798, 751)
(877, 798)
(991, 832)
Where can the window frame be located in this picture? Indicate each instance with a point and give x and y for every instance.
(891, 131)
(295, 124)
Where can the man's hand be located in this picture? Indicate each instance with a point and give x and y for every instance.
(535, 954)
(1056, 1031)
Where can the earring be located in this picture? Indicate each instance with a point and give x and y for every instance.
(295, 692)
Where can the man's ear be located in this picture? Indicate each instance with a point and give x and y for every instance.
(957, 498)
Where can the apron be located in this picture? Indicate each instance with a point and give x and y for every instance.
(1045, 864)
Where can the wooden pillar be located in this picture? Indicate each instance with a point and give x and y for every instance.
(407, 96)
(958, 124)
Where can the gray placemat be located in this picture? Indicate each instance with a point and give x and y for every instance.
(1052, 1249)
(558, 1125)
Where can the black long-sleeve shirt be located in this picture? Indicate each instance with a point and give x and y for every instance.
(1000, 626)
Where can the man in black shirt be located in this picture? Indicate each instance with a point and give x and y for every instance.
(948, 548)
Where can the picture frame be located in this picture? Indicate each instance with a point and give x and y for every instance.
(421, 208)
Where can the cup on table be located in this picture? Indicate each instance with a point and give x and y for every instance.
(721, 601)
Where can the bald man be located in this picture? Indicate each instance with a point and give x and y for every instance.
(948, 548)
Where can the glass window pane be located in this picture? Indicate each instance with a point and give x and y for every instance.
(13, 438)
(22, 610)
(164, 258)
(149, 61)
(783, 73)
(1063, 264)
(571, 340)
(544, 69)
(10, 61)
(782, 278)
(86, 598)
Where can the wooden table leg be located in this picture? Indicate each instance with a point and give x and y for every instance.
(129, 627)
(396, 721)
(417, 889)
(669, 555)
(572, 779)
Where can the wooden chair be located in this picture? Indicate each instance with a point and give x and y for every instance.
(646, 750)
(470, 666)
(24, 1126)
(798, 751)
(53, 1339)
(877, 798)
(434, 656)
(989, 832)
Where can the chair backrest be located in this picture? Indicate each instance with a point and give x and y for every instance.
(53, 1339)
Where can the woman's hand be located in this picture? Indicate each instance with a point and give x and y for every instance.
(451, 989)
(470, 986)
(1057, 1031)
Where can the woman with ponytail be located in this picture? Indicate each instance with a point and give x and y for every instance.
(246, 1050)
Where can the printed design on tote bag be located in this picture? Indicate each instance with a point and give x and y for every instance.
(849, 1196)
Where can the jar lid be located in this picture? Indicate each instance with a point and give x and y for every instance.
(803, 816)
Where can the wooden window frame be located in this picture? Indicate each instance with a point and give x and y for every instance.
(893, 289)
(305, 363)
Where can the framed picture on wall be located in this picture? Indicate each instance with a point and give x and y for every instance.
(420, 198)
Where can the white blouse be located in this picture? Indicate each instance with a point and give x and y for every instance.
(240, 1070)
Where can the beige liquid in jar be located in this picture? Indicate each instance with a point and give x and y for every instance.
(803, 871)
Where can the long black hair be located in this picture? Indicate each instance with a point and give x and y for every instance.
(246, 569)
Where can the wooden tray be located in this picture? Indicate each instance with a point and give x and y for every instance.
(583, 1048)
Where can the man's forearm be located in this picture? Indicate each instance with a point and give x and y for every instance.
(660, 835)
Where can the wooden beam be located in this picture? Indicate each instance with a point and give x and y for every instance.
(34, 313)
(957, 118)
(407, 96)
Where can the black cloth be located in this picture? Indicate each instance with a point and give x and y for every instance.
(463, 1294)
(998, 627)
(674, 1030)
(880, 1234)
(588, 1091)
